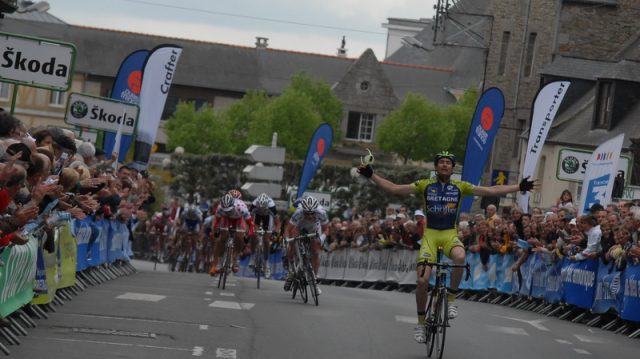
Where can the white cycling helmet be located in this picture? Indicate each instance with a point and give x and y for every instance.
(309, 204)
(262, 201)
(226, 203)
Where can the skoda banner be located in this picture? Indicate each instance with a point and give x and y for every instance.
(157, 76)
(545, 107)
(318, 148)
(598, 180)
(126, 88)
(36, 62)
(101, 113)
(572, 164)
(484, 126)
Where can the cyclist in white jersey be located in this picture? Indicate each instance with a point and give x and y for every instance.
(265, 216)
(308, 218)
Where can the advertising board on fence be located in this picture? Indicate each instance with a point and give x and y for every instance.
(572, 164)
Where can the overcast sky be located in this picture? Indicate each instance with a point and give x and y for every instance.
(302, 25)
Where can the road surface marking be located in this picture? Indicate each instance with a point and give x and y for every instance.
(130, 319)
(197, 351)
(561, 341)
(226, 353)
(207, 299)
(231, 305)
(534, 323)
(230, 285)
(127, 345)
(507, 330)
(581, 351)
(226, 294)
(587, 339)
(141, 296)
(406, 319)
(204, 327)
(208, 293)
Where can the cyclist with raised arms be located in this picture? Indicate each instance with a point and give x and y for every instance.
(308, 218)
(265, 216)
(231, 213)
(441, 197)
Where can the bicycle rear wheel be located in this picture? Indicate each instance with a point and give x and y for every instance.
(302, 284)
(439, 325)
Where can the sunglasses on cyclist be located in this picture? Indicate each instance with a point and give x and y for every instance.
(312, 213)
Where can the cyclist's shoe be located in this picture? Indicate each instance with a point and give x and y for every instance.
(288, 282)
(420, 333)
(318, 289)
(453, 311)
(235, 268)
(252, 263)
(267, 270)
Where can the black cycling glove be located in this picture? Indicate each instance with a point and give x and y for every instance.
(366, 171)
(526, 185)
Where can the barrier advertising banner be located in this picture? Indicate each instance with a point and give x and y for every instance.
(68, 259)
(126, 88)
(16, 276)
(601, 171)
(318, 148)
(608, 289)
(482, 132)
(631, 301)
(545, 107)
(579, 281)
(157, 76)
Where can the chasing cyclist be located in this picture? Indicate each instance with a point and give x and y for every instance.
(191, 221)
(265, 216)
(308, 218)
(441, 197)
(230, 214)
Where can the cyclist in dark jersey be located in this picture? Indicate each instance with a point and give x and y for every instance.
(441, 197)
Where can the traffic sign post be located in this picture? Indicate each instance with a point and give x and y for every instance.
(264, 179)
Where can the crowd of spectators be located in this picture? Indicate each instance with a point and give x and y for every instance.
(610, 233)
(48, 177)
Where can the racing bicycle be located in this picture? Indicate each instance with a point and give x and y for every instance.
(227, 258)
(304, 277)
(437, 314)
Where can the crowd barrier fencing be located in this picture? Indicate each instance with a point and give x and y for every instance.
(589, 284)
(80, 245)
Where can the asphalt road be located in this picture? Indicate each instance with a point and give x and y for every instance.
(159, 314)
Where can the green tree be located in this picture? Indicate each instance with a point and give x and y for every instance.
(291, 115)
(198, 132)
(324, 101)
(240, 115)
(461, 113)
(417, 130)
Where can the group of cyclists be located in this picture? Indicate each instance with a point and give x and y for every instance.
(441, 197)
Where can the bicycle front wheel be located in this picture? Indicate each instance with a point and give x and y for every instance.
(302, 286)
(258, 266)
(311, 279)
(439, 325)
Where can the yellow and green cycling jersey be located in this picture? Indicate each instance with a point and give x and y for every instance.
(441, 202)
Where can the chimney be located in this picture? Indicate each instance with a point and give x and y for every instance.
(261, 42)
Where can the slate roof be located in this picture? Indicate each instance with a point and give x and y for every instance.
(223, 66)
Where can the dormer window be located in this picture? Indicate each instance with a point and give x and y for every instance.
(604, 105)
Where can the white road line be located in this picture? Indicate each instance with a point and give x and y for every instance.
(534, 323)
(120, 344)
(226, 353)
(587, 339)
(231, 305)
(197, 351)
(562, 341)
(581, 351)
(507, 330)
(406, 319)
(204, 327)
(207, 299)
(141, 296)
(208, 293)
(227, 294)
(230, 285)
(126, 318)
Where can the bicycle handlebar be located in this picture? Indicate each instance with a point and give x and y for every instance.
(310, 235)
